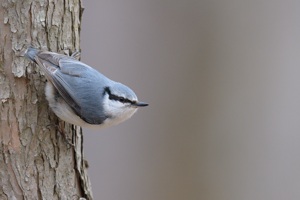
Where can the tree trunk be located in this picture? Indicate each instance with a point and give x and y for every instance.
(37, 160)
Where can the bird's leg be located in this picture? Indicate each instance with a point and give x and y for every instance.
(60, 129)
(76, 54)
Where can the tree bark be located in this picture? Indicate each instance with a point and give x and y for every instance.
(36, 161)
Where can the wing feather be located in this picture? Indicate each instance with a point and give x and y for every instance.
(52, 73)
(69, 76)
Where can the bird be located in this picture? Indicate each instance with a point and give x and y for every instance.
(79, 94)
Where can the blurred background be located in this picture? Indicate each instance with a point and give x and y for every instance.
(222, 78)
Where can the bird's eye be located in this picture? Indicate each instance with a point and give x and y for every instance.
(121, 99)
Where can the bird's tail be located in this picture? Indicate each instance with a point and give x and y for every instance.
(31, 52)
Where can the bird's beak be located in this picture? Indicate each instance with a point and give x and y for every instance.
(140, 104)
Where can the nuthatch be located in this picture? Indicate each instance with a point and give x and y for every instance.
(80, 95)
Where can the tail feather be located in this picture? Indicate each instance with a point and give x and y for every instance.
(31, 53)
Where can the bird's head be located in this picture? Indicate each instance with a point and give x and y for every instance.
(120, 103)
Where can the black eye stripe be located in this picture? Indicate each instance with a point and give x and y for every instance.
(115, 97)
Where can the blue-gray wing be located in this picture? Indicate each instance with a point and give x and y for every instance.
(78, 84)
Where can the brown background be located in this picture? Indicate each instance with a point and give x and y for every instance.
(223, 81)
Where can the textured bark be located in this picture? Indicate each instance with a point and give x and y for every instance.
(36, 161)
